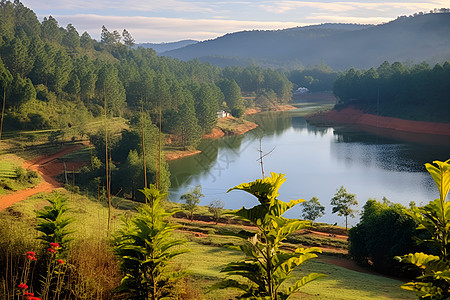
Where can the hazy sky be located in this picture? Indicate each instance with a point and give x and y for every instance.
(173, 20)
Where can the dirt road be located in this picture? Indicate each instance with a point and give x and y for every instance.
(47, 167)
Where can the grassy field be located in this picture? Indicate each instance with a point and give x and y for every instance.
(208, 253)
(7, 169)
(13, 177)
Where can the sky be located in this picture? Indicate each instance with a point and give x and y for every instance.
(159, 21)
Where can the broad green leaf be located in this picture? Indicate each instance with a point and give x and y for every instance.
(441, 175)
(266, 190)
(420, 260)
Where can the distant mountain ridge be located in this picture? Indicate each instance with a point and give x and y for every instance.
(423, 37)
(162, 47)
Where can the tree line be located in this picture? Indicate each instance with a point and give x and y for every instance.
(41, 61)
(54, 78)
(418, 92)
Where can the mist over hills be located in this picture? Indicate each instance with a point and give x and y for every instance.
(162, 47)
(423, 37)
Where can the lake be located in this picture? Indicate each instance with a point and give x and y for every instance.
(316, 161)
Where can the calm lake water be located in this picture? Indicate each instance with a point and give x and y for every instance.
(316, 161)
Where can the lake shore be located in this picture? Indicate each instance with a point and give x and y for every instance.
(225, 127)
(353, 116)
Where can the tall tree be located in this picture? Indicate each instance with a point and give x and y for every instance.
(106, 37)
(108, 83)
(128, 40)
(312, 209)
(342, 204)
(206, 107)
(71, 38)
(232, 93)
(5, 80)
(60, 75)
(17, 58)
(86, 41)
(187, 124)
(50, 30)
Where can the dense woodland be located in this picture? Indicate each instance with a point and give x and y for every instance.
(55, 78)
(419, 92)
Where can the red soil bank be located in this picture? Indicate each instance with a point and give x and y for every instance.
(352, 115)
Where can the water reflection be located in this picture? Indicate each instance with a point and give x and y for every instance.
(316, 161)
(385, 152)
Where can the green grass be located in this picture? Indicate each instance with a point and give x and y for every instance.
(316, 241)
(7, 169)
(342, 283)
(204, 263)
(210, 253)
(83, 154)
(13, 177)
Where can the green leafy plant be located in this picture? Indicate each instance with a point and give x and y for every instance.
(434, 283)
(145, 248)
(266, 267)
(52, 221)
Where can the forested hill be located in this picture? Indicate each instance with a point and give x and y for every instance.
(163, 47)
(54, 78)
(423, 37)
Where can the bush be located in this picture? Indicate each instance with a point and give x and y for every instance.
(383, 232)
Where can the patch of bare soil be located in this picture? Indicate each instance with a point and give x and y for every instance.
(282, 107)
(252, 111)
(215, 134)
(345, 263)
(47, 167)
(176, 154)
(337, 236)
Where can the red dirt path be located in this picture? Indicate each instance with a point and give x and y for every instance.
(47, 167)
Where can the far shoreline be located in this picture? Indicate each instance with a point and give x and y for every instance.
(226, 126)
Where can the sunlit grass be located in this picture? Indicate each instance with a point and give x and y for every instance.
(208, 255)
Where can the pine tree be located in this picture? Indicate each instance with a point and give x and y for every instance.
(128, 40)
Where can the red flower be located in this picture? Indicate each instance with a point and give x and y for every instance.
(51, 250)
(27, 294)
(31, 253)
(55, 245)
(33, 298)
(60, 261)
(22, 286)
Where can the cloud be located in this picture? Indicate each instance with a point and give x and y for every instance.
(344, 19)
(343, 6)
(141, 6)
(154, 29)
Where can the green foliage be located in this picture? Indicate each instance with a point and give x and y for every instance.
(317, 79)
(145, 248)
(383, 232)
(416, 93)
(342, 204)
(266, 267)
(52, 221)
(434, 218)
(192, 199)
(312, 209)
